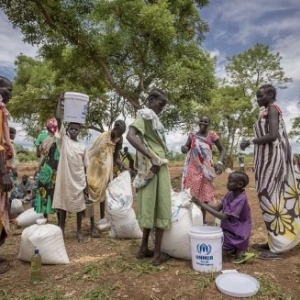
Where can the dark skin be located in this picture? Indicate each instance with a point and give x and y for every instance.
(73, 132)
(203, 131)
(5, 181)
(265, 99)
(157, 105)
(116, 134)
(234, 185)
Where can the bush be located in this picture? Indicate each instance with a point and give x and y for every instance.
(30, 156)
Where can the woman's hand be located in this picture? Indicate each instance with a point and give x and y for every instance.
(155, 165)
(219, 168)
(244, 144)
(184, 149)
(6, 183)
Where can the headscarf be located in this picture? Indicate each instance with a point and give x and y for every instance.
(52, 125)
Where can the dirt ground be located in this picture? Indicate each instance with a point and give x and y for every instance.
(107, 269)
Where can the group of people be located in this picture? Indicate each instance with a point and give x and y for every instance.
(69, 174)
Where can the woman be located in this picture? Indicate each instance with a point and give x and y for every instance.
(5, 181)
(274, 176)
(69, 195)
(104, 153)
(199, 170)
(49, 154)
(147, 135)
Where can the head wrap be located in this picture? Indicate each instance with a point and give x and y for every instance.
(52, 125)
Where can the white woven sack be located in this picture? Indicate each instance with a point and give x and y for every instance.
(120, 213)
(48, 239)
(28, 218)
(16, 206)
(176, 241)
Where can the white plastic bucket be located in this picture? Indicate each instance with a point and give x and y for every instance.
(75, 107)
(206, 247)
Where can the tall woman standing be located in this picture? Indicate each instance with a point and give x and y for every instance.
(199, 169)
(274, 177)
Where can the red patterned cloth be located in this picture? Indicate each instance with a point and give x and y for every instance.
(193, 177)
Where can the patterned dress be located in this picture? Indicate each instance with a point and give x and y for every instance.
(198, 171)
(47, 176)
(276, 186)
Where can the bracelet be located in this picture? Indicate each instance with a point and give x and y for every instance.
(219, 162)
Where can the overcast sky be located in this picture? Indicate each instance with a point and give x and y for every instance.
(235, 26)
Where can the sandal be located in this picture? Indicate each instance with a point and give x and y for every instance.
(246, 256)
(145, 254)
(261, 247)
(268, 255)
(160, 260)
(4, 265)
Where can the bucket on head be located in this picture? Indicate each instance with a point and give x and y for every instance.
(206, 248)
(75, 107)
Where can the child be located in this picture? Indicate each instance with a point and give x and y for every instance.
(71, 174)
(235, 215)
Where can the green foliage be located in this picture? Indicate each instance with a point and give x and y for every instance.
(254, 67)
(245, 72)
(29, 157)
(119, 47)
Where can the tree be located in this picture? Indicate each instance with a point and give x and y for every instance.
(131, 46)
(245, 72)
(37, 86)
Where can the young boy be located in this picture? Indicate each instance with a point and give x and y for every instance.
(235, 215)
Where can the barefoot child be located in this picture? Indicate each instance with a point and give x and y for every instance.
(235, 215)
(71, 174)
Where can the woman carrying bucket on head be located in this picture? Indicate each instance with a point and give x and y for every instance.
(69, 193)
(235, 214)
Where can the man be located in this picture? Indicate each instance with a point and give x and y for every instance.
(128, 156)
(24, 187)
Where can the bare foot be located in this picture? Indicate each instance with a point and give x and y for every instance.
(163, 257)
(145, 254)
(95, 233)
(80, 238)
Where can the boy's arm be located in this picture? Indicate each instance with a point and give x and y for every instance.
(214, 210)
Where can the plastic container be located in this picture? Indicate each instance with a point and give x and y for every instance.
(36, 264)
(75, 107)
(206, 248)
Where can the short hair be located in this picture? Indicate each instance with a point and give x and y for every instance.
(125, 148)
(3, 80)
(12, 130)
(269, 88)
(121, 123)
(205, 117)
(156, 93)
(74, 123)
(241, 176)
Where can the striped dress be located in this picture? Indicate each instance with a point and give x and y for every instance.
(276, 186)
